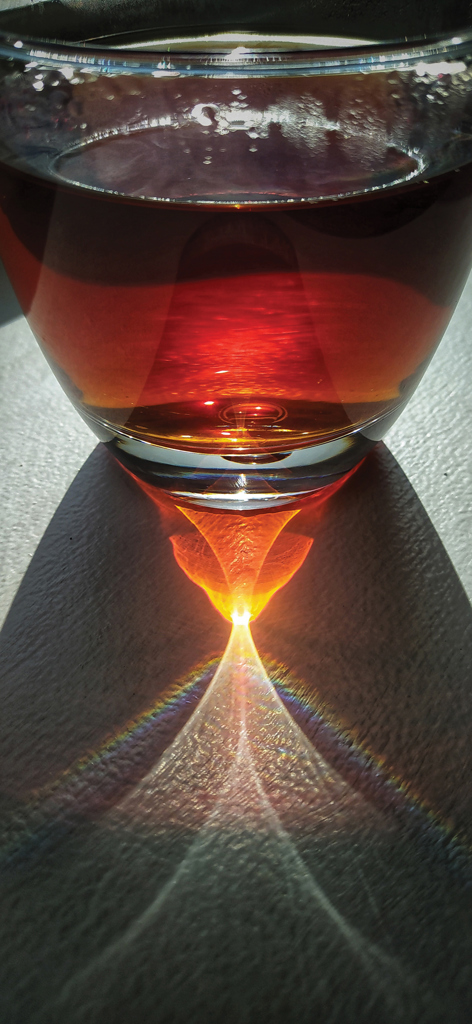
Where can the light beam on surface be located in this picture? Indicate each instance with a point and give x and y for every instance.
(235, 781)
(234, 797)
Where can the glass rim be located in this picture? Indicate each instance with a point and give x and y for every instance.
(242, 61)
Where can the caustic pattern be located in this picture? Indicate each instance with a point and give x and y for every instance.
(263, 892)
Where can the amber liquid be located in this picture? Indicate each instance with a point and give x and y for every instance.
(236, 331)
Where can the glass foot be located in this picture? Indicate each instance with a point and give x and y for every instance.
(252, 482)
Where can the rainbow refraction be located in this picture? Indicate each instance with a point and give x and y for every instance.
(240, 561)
(236, 794)
(253, 810)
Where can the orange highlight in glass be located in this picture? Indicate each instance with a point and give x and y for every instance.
(240, 561)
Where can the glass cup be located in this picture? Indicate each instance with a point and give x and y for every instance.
(238, 244)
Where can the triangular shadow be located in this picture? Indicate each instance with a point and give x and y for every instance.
(378, 628)
(103, 623)
(111, 916)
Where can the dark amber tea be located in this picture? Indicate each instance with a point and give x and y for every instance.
(237, 332)
(236, 273)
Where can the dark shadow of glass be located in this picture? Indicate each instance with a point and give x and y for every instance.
(9, 306)
(360, 914)
(379, 629)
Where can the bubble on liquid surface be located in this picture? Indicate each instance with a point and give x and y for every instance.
(158, 162)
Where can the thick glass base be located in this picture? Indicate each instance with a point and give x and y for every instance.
(214, 481)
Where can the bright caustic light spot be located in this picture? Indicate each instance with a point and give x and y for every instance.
(240, 561)
(241, 619)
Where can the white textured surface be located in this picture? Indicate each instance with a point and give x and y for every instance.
(432, 441)
(43, 445)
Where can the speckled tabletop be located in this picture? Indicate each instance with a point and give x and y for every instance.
(355, 906)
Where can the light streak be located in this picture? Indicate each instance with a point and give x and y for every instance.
(234, 780)
(238, 786)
